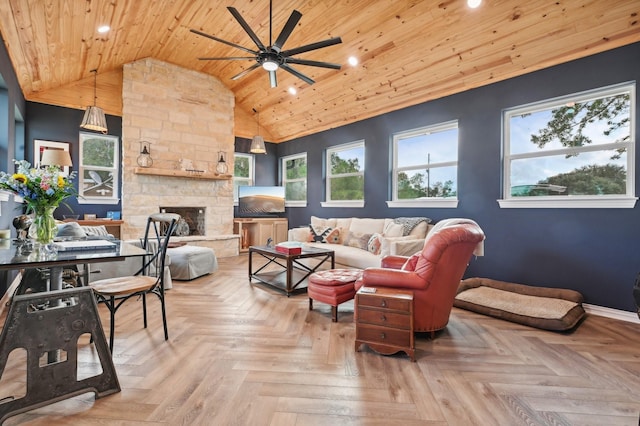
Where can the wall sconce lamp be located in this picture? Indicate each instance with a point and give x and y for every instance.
(56, 157)
(144, 159)
(222, 167)
(257, 143)
(94, 118)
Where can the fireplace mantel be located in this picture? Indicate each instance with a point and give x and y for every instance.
(191, 174)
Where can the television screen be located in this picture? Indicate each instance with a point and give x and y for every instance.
(260, 200)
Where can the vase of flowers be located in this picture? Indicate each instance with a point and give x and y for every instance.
(42, 190)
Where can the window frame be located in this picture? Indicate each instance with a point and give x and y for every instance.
(435, 202)
(250, 180)
(284, 180)
(627, 200)
(336, 148)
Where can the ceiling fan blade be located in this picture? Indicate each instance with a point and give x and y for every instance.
(273, 80)
(245, 72)
(312, 46)
(297, 73)
(246, 27)
(231, 58)
(313, 63)
(228, 43)
(286, 30)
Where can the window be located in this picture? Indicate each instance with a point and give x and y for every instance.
(99, 172)
(294, 179)
(425, 167)
(345, 175)
(243, 165)
(573, 151)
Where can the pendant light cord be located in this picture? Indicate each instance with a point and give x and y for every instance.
(95, 87)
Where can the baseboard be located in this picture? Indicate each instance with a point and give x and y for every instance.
(611, 313)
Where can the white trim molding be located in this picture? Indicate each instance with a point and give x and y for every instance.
(616, 314)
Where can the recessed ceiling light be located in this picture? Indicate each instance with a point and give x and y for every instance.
(473, 3)
(353, 61)
(292, 90)
(103, 29)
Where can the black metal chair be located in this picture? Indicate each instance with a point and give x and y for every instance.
(113, 292)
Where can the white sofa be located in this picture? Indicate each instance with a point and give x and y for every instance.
(362, 242)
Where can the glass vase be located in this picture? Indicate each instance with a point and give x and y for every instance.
(45, 225)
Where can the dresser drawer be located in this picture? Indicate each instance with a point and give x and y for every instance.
(384, 336)
(384, 318)
(379, 301)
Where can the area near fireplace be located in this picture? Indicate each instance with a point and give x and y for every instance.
(193, 216)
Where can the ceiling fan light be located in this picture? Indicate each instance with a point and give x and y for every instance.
(94, 119)
(257, 145)
(270, 65)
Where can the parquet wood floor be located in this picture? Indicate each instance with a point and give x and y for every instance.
(243, 354)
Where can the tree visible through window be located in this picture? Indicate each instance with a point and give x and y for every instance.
(294, 178)
(576, 146)
(345, 172)
(242, 172)
(426, 163)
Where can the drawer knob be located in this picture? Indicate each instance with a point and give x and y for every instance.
(382, 336)
(383, 303)
(383, 318)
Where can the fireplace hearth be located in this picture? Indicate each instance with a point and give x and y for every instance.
(193, 216)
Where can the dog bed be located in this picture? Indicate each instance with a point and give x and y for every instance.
(540, 307)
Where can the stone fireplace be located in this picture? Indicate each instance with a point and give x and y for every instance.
(187, 117)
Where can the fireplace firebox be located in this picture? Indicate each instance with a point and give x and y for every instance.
(193, 216)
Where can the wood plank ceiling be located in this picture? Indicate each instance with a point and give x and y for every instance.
(410, 51)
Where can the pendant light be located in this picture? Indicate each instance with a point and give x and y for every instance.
(257, 143)
(94, 118)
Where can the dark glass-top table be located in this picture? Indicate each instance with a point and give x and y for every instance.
(49, 325)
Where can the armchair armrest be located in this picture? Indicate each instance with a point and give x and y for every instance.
(394, 278)
(393, 262)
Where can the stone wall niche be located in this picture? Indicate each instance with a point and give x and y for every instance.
(187, 117)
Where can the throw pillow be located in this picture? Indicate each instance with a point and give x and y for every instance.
(325, 235)
(92, 231)
(386, 242)
(71, 229)
(374, 244)
(357, 240)
(393, 230)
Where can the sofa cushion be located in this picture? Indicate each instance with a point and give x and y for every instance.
(301, 235)
(318, 222)
(366, 226)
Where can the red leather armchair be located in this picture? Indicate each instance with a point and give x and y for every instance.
(432, 274)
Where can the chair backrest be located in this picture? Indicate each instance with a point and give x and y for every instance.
(160, 227)
(441, 264)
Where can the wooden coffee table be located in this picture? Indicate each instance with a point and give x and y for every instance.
(289, 273)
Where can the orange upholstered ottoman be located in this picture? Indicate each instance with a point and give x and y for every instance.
(333, 287)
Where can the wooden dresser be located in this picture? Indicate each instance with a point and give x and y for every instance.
(384, 321)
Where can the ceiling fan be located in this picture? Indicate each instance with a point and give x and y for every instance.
(272, 57)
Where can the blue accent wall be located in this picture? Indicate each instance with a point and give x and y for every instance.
(59, 124)
(594, 251)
